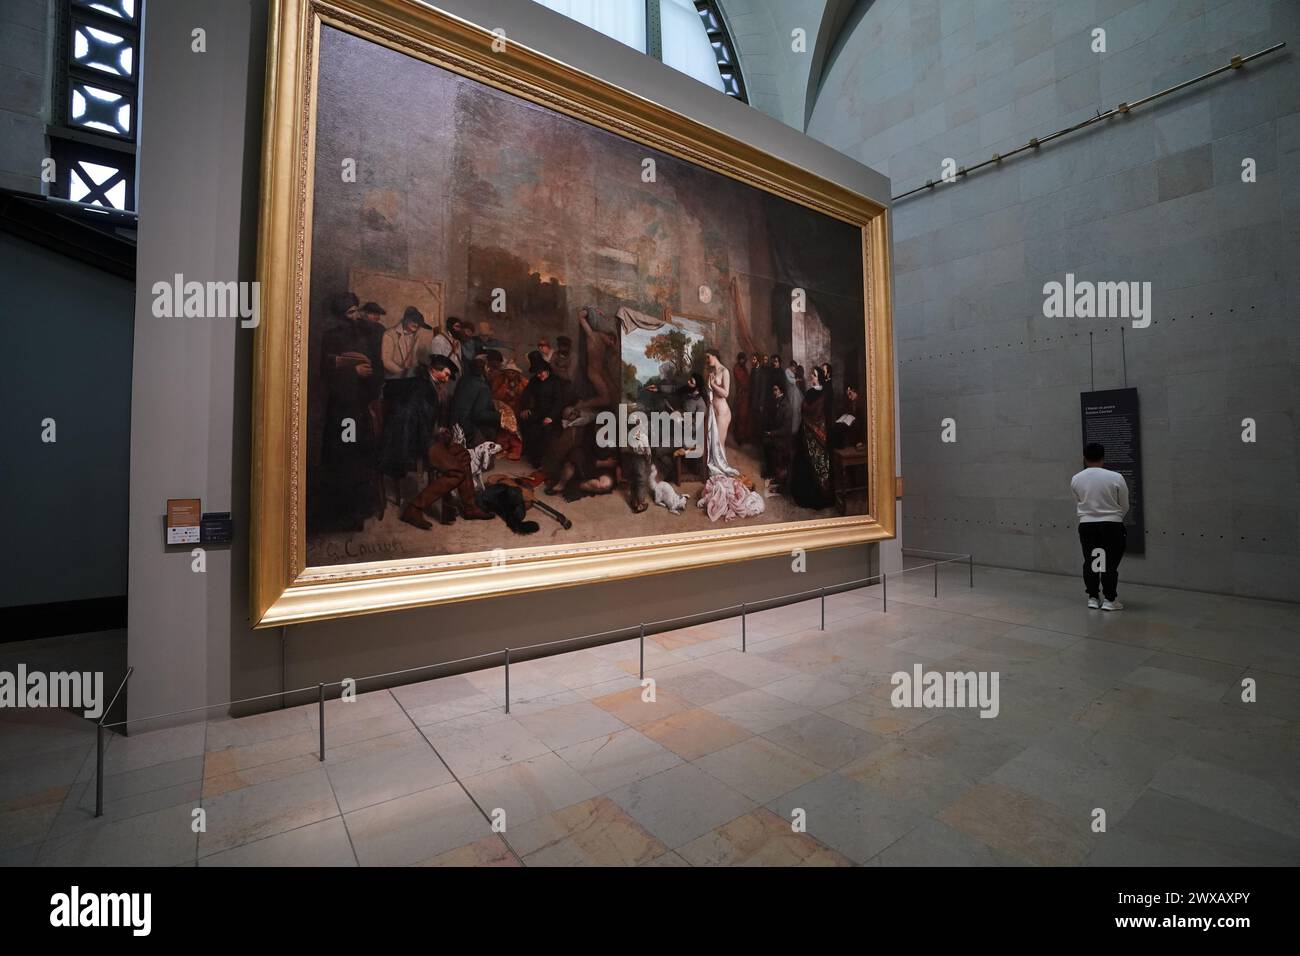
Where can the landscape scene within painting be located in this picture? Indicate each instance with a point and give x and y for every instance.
(527, 331)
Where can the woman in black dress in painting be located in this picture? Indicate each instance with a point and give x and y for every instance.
(810, 472)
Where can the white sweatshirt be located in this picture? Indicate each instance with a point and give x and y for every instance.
(1100, 495)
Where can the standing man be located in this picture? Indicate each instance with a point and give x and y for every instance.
(561, 361)
(350, 363)
(541, 409)
(450, 343)
(1101, 500)
(740, 398)
(758, 383)
(399, 350)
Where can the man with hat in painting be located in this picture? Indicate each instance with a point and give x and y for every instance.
(400, 346)
(422, 429)
(350, 361)
(481, 341)
(542, 408)
(374, 314)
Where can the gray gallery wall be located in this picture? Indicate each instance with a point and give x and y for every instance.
(68, 336)
(188, 635)
(25, 51)
(1155, 196)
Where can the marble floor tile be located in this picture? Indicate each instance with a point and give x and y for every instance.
(379, 777)
(324, 843)
(482, 742)
(759, 838)
(1163, 830)
(161, 838)
(1229, 792)
(617, 759)
(680, 804)
(595, 832)
(908, 776)
(416, 828)
(632, 708)
(528, 789)
(489, 851)
(937, 844)
(847, 817)
(813, 691)
(823, 740)
(703, 685)
(28, 824)
(752, 670)
(760, 769)
(1022, 826)
(693, 733)
(757, 710)
(570, 724)
(23, 776)
(242, 816)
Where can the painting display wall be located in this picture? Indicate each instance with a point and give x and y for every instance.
(522, 337)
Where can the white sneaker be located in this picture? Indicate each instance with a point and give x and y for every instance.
(1094, 603)
(1112, 606)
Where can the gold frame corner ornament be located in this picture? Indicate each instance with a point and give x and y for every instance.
(284, 590)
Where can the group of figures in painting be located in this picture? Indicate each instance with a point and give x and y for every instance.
(448, 406)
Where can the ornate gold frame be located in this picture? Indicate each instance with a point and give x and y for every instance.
(284, 590)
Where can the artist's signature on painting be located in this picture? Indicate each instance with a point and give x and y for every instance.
(352, 549)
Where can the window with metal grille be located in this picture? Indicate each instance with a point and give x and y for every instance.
(96, 100)
(688, 35)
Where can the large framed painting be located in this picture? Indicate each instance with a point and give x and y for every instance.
(522, 329)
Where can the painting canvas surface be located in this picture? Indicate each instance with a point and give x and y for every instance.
(573, 279)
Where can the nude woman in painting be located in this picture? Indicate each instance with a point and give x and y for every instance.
(719, 381)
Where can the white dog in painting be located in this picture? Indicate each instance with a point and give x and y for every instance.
(665, 494)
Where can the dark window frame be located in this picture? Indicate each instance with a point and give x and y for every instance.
(72, 142)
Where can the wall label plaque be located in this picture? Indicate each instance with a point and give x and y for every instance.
(1111, 418)
(183, 520)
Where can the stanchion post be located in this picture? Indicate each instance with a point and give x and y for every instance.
(823, 609)
(507, 680)
(884, 592)
(99, 770)
(320, 688)
(970, 564)
(742, 627)
(643, 650)
(936, 579)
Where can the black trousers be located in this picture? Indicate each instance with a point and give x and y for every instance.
(1112, 538)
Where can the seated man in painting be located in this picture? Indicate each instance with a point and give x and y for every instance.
(850, 428)
(776, 436)
(472, 407)
(421, 428)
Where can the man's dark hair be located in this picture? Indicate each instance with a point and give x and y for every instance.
(779, 386)
(1094, 451)
(442, 363)
(340, 303)
(742, 357)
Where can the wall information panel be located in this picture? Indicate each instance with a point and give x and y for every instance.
(1111, 417)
